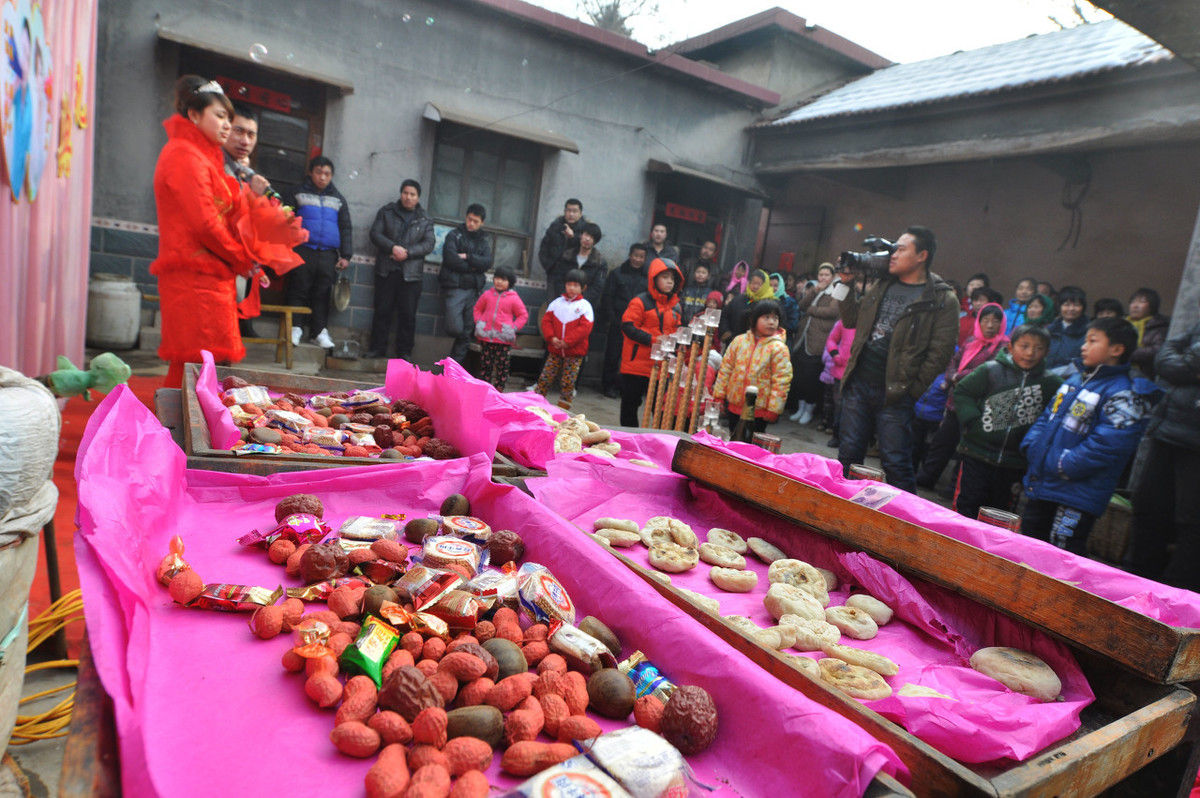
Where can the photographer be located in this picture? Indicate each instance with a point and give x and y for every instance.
(907, 325)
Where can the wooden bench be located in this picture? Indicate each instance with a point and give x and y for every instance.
(283, 342)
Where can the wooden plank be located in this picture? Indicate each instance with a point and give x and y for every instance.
(1160, 652)
(91, 766)
(932, 772)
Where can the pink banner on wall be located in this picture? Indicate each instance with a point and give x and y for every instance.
(44, 244)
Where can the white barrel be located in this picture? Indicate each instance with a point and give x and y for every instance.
(114, 314)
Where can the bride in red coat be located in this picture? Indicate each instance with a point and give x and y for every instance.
(208, 232)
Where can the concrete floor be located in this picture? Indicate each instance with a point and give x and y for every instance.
(42, 761)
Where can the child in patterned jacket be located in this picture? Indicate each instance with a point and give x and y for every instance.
(759, 356)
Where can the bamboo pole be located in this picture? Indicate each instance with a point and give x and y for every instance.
(648, 410)
(690, 388)
(672, 402)
(663, 380)
(703, 371)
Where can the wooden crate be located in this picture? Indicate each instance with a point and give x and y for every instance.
(197, 442)
(1130, 661)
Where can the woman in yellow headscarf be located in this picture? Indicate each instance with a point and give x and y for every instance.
(735, 319)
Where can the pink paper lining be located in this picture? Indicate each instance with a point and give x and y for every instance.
(942, 630)
(221, 430)
(525, 437)
(200, 702)
(1172, 606)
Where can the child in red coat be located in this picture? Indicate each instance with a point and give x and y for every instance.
(566, 326)
(499, 313)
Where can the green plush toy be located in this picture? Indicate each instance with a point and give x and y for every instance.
(104, 373)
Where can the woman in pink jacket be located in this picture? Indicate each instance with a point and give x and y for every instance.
(499, 313)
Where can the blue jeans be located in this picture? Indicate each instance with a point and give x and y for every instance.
(460, 319)
(865, 413)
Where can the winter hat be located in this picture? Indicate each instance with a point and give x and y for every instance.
(717, 295)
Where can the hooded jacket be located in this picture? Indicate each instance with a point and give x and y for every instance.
(1080, 444)
(466, 256)
(650, 314)
(498, 316)
(1065, 341)
(1177, 418)
(570, 319)
(763, 361)
(996, 404)
(326, 217)
(389, 230)
(694, 297)
(1016, 313)
(923, 338)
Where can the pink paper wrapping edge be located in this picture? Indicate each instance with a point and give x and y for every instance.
(191, 687)
(1172, 606)
(986, 723)
(525, 437)
(221, 430)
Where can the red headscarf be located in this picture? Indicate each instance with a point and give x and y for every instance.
(977, 344)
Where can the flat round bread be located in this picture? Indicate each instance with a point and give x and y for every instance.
(638, 461)
(911, 690)
(725, 537)
(596, 450)
(612, 447)
(783, 599)
(707, 603)
(620, 537)
(541, 413)
(575, 425)
(771, 638)
(864, 659)
(716, 554)
(806, 665)
(1019, 671)
(854, 680)
(596, 536)
(831, 580)
(677, 531)
(811, 634)
(657, 576)
(616, 523)
(799, 574)
(765, 551)
(591, 438)
(673, 558)
(853, 622)
(879, 612)
(591, 425)
(787, 636)
(743, 624)
(567, 442)
(733, 580)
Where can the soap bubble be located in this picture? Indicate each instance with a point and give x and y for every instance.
(428, 20)
(282, 152)
(406, 18)
(378, 45)
(858, 228)
(242, 90)
(467, 90)
(290, 56)
(258, 52)
(524, 62)
(353, 174)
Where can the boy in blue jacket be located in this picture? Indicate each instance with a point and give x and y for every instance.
(1079, 446)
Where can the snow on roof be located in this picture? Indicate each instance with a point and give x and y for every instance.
(1044, 58)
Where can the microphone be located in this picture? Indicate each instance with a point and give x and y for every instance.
(244, 173)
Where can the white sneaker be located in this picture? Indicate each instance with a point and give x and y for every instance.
(296, 334)
(799, 412)
(323, 340)
(807, 417)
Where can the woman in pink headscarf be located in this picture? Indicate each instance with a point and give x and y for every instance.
(988, 338)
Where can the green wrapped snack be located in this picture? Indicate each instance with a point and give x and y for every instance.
(371, 649)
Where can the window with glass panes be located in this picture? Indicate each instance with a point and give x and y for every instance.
(499, 172)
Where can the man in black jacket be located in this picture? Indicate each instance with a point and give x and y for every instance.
(657, 246)
(1166, 504)
(466, 255)
(560, 234)
(403, 235)
(626, 281)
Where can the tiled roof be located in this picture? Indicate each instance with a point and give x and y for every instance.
(1045, 58)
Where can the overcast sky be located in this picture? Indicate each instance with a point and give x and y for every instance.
(900, 31)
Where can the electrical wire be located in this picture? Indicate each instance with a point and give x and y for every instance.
(56, 721)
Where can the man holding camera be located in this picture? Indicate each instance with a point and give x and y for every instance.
(907, 327)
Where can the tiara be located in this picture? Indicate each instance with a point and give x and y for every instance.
(211, 87)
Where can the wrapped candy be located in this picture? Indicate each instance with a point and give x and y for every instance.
(542, 596)
(173, 563)
(300, 528)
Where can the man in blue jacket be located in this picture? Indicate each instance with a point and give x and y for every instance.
(325, 214)
(1079, 446)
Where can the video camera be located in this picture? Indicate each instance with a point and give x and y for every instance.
(873, 263)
